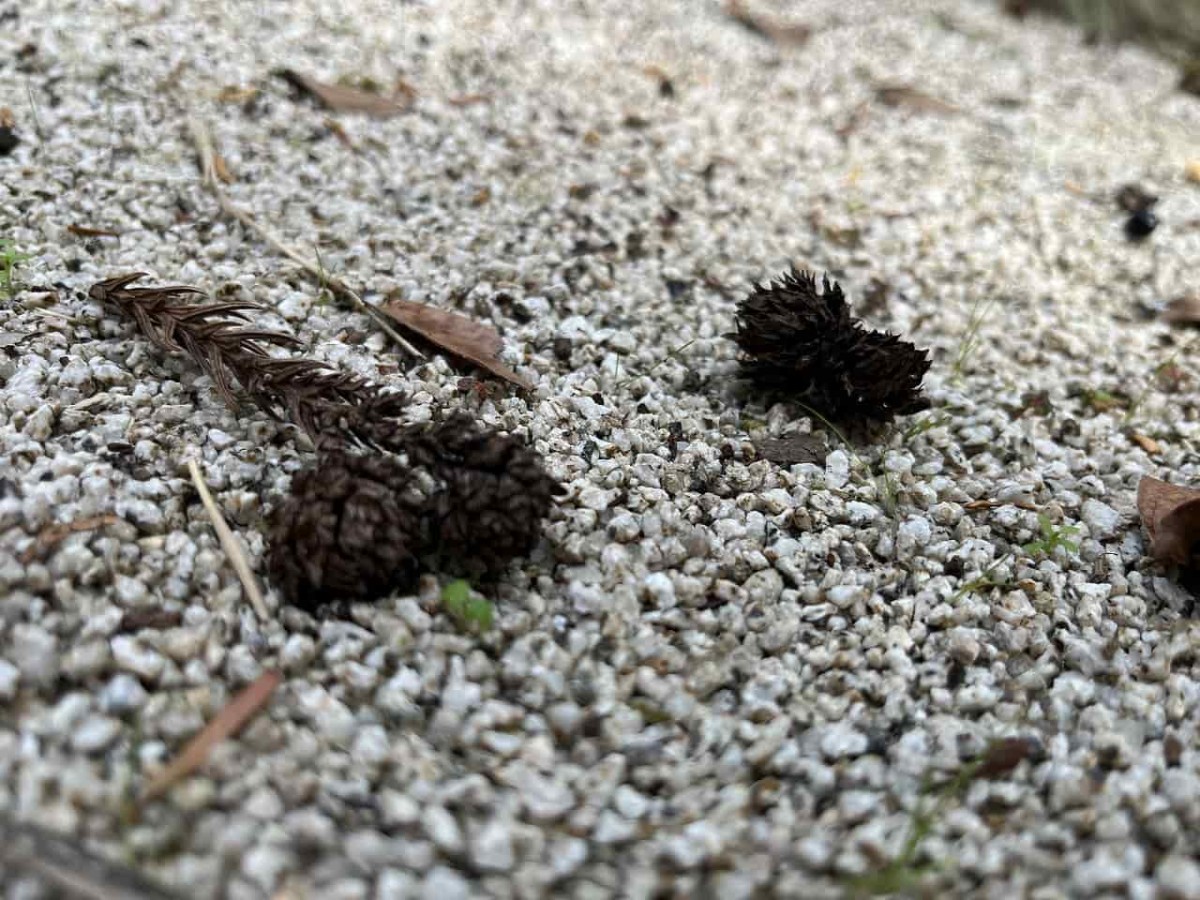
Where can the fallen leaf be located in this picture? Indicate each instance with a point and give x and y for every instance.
(336, 129)
(793, 449)
(778, 32)
(225, 724)
(158, 619)
(221, 168)
(46, 540)
(1003, 755)
(1171, 516)
(9, 139)
(898, 95)
(469, 99)
(973, 505)
(234, 93)
(457, 334)
(340, 98)
(1147, 443)
(1132, 198)
(1183, 310)
(1189, 78)
(1192, 171)
(85, 231)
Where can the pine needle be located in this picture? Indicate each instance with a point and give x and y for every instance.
(208, 169)
(229, 544)
(68, 868)
(225, 724)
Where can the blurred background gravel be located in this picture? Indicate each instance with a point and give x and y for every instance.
(717, 676)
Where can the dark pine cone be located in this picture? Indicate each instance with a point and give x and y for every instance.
(350, 529)
(798, 342)
(493, 492)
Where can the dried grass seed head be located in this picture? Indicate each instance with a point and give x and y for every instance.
(215, 336)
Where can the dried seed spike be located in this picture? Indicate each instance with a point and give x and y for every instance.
(215, 336)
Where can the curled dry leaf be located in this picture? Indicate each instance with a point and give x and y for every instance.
(347, 99)
(1171, 516)
(1183, 310)
(54, 534)
(793, 449)
(778, 32)
(225, 724)
(458, 335)
(85, 231)
(1003, 755)
(896, 95)
(1147, 443)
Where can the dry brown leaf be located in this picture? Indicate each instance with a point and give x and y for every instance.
(1147, 443)
(46, 540)
(778, 32)
(1003, 755)
(793, 449)
(235, 93)
(340, 98)
(973, 505)
(7, 119)
(1183, 310)
(336, 129)
(896, 95)
(86, 232)
(1192, 171)
(157, 619)
(458, 335)
(468, 99)
(225, 724)
(221, 168)
(1171, 516)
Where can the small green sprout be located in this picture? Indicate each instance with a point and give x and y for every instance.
(1053, 537)
(470, 613)
(903, 874)
(10, 260)
(972, 339)
(987, 579)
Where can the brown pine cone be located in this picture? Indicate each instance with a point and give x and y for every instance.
(493, 492)
(350, 529)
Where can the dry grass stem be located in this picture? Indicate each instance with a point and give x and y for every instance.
(202, 138)
(225, 724)
(229, 544)
(56, 533)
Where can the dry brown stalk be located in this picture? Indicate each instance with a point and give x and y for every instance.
(240, 710)
(208, 169)
(229, 544)
(214, 336)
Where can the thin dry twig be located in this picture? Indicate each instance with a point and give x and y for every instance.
(46, 540)
(68, 868)
(225, 724)
(229, 544)
(208, 169)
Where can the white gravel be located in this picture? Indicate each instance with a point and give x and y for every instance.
(717, 677)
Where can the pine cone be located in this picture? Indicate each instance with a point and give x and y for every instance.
(493, 492)
(798, 342)
(350, 529)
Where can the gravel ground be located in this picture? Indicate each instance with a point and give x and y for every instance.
(716, 677)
